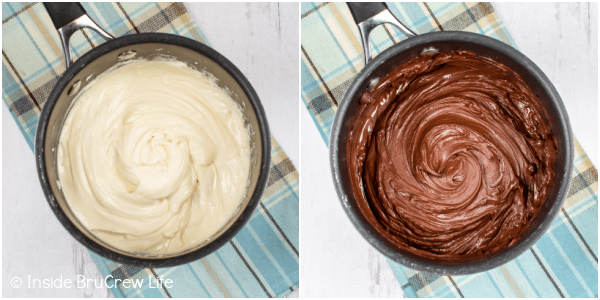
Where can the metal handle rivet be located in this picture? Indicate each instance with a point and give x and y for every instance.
(429, 50)
(373, 84)
(74, 88)
(127, 55)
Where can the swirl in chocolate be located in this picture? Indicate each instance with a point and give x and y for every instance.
(450, 156)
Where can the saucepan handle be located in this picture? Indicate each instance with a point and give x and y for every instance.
(367, 16)
(68, 17)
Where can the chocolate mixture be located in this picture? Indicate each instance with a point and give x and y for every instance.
(450, 157)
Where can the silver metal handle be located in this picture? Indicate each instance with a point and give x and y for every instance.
(365, 27)
(67, 31)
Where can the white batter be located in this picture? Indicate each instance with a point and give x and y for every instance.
(154, 157)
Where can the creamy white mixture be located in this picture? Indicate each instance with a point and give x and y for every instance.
(154, 157)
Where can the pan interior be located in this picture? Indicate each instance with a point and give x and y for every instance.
(534, 79)
(150, 50)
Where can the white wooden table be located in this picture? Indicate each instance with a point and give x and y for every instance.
(260, 39)
(562, 39)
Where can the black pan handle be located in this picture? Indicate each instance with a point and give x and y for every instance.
(362, 11)
(369, 15)
(68, 18)
(63, 13)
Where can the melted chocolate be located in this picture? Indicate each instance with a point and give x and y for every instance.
(450, 156)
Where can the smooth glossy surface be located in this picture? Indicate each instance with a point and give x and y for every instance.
(450, 157)
(154, 157)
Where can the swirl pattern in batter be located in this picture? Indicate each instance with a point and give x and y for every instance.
(154, 157)
(450, 156)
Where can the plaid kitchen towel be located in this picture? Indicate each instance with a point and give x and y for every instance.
(564, 262)
(261, 261)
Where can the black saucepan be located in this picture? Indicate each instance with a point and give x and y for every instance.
(68, 18)
(369, 15)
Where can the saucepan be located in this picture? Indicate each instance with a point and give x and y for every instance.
(369, 15)
(68, 18)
